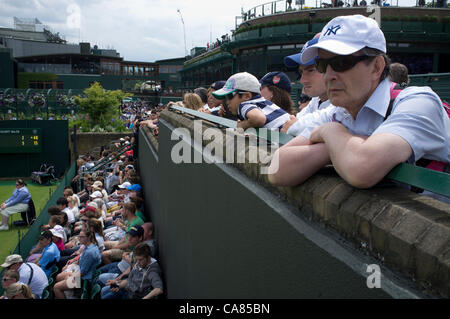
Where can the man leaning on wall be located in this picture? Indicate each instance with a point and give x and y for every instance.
(365, 138)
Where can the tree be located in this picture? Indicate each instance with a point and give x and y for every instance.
(101, 105)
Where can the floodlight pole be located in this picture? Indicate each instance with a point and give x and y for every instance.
(184, 31)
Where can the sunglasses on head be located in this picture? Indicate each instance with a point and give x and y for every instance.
(340, 63)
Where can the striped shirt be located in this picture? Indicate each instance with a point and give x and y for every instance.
(275, 116)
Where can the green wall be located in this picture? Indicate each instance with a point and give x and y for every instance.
(55, 149)
(6, 69)
(221, 235)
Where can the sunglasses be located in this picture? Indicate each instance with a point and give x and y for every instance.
(232, 95)
(340, 63)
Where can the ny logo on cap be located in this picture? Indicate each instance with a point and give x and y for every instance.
(332, 29)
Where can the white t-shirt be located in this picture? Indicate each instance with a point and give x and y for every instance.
(39, 280)
(70, 215)
(313, 106)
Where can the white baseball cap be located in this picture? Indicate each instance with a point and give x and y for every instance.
(96, 194)
(242, 81)
(125, 185)
(345, 35)
(57, 233)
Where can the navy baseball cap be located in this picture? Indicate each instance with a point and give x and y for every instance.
(217, 85)
(278, 79)
(295, 59)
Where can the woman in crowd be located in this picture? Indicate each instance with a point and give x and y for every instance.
(276, 87)
(89, 259)
(192, 101)
(18, 290)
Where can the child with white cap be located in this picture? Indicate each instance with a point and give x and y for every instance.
(242, 93)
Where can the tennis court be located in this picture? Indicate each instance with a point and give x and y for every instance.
(40, 194)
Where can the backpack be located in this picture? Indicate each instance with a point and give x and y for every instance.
(430, 164)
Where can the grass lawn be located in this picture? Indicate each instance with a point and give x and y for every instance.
(40, 195)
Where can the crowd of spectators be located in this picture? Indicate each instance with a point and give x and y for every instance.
(98, 237)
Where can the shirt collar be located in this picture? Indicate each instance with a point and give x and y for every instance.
(380, 98)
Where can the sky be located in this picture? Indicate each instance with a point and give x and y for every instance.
(140, 30)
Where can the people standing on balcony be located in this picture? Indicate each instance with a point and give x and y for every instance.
(276, 87)
(371, 133)
(242, 93)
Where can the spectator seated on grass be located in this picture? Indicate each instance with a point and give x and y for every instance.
(71, 275)
(29, 273)
(143, 282)
(18, 202)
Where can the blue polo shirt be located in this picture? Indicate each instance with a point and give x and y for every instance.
(49, 255)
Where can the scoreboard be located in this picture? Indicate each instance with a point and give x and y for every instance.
(20, 140)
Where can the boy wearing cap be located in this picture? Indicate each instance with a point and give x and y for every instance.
(371, 133)
(242, 94)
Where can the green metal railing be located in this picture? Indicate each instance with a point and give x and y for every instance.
(108, 160)
(427, 179)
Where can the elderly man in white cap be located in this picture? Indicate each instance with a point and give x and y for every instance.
(30, 274)
(371, 132)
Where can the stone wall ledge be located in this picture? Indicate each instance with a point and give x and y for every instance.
(407, 232)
